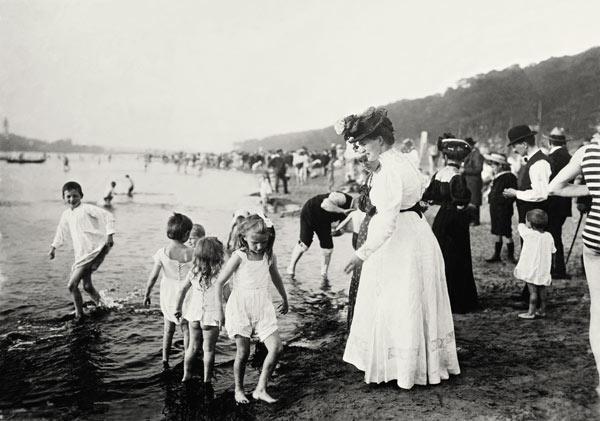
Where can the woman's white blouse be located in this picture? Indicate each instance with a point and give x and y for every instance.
(397, 185)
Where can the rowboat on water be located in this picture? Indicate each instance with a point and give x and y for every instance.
(25, 161)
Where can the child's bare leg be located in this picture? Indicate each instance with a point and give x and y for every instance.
(533, 298)
(169, 330)
(239, 367)
(191, 352)
(73, 286)
(185, 331)
(210, 333)
(542, 294)
(274, 346)
(89, 287)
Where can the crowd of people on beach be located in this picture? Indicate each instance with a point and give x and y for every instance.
(408, 277)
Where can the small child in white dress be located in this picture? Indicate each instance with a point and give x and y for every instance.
(91, 230)
(535, 261)
(175, 261)
(265, 190)
(250, 308)
(202, 312)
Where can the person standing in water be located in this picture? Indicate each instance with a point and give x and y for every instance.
(131, 186)
(91, 230)
(110, 193)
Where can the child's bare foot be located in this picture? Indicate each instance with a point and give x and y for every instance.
(240, 397)
(263, 396)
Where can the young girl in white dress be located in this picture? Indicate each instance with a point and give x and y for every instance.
(250, 309)
(175, 261)
(535, 261)
(202, 312)
(91, 230)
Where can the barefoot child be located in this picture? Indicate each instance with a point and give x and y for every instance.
(91, 230)
(202, 312)
(265, 191)
(250, 309)
(535, 261)
(175, 261)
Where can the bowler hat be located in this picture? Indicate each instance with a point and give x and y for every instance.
(557, 135)
(519, 134)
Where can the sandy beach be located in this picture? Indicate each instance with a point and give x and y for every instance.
(511, 368)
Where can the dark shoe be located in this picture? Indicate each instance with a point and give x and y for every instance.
(510, 254)
(496, 256)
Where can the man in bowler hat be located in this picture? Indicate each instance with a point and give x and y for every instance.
(533, 177)
(559, 208)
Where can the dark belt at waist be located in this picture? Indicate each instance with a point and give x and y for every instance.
(416, 208)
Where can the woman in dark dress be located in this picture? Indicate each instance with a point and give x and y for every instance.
(448, 189)
(501, 208)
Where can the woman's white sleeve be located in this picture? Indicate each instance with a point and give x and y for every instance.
(61, 232)
(384, 222)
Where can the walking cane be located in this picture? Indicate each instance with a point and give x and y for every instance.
(574, 238)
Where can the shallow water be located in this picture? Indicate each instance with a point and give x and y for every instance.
(109, 367)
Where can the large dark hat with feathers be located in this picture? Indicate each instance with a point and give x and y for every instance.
(358, 127)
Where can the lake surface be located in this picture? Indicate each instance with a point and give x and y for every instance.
(109, 367)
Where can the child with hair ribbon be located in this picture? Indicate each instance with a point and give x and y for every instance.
(250, 309)
(175, 261)
(202, 313)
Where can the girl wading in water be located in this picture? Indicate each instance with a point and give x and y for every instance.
(402, 327)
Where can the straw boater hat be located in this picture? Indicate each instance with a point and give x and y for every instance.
(557, 135)
(519, 133)
(498, 158)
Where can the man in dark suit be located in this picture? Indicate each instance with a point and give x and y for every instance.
(279, 166)
(559, 208)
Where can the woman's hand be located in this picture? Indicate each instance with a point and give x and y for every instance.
(147, 301)
(353, 263)
(509, 193)
(283, 307)
(178, 315)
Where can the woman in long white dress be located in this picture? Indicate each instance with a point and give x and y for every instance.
(402, 328)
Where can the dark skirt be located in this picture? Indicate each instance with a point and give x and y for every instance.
(451, 228)
(501, 219)
(354, 281)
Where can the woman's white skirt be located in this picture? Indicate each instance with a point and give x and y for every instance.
(402, 328)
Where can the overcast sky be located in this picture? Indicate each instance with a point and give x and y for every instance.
(201, 75)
